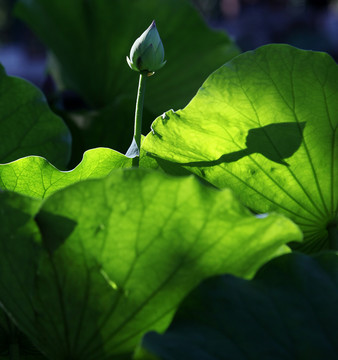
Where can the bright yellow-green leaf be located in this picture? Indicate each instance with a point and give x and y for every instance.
(265, 125)
(106, 260)
(36, 177)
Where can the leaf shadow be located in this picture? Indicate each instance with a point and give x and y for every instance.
(54, 239)
(276, 142)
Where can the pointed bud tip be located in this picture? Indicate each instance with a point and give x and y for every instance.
(147, 52)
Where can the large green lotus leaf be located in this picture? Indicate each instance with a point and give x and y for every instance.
(288, 311)
(4, 329)
(28, 126)
(13, 342)
(265, 125)
(91, 39)
(36, 177)
(17, 225)
(118, 254)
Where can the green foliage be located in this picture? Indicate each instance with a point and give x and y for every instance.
(94, 258)
(265, 125)
(288, 311)
(14, 343)
(99, 35)
(104, 261)
(27, 126)
(36, 177)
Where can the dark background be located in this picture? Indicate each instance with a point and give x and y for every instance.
(307, 24)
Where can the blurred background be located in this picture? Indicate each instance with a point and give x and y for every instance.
(307, 24)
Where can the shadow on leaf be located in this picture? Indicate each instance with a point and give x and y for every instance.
(54, 239)
(276, 142)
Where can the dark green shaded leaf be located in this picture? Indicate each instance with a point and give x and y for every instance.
(119, 253)
(265, 125)
(288, 311)
(13, 343)
(3, 334)
(28, 126)
(100, 33)
(17, 225)
(110, 127)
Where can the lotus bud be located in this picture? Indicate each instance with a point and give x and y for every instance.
(147, 52)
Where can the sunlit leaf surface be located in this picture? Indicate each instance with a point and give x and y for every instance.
(106, 260)
(36, 177)
(265, 125)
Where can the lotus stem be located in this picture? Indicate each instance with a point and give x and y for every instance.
(138, 115)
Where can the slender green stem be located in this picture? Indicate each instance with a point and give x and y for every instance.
(333, 236)
(138, 115)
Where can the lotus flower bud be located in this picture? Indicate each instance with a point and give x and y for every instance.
(147, 52)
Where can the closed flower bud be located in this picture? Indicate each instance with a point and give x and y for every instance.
(147, 52)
